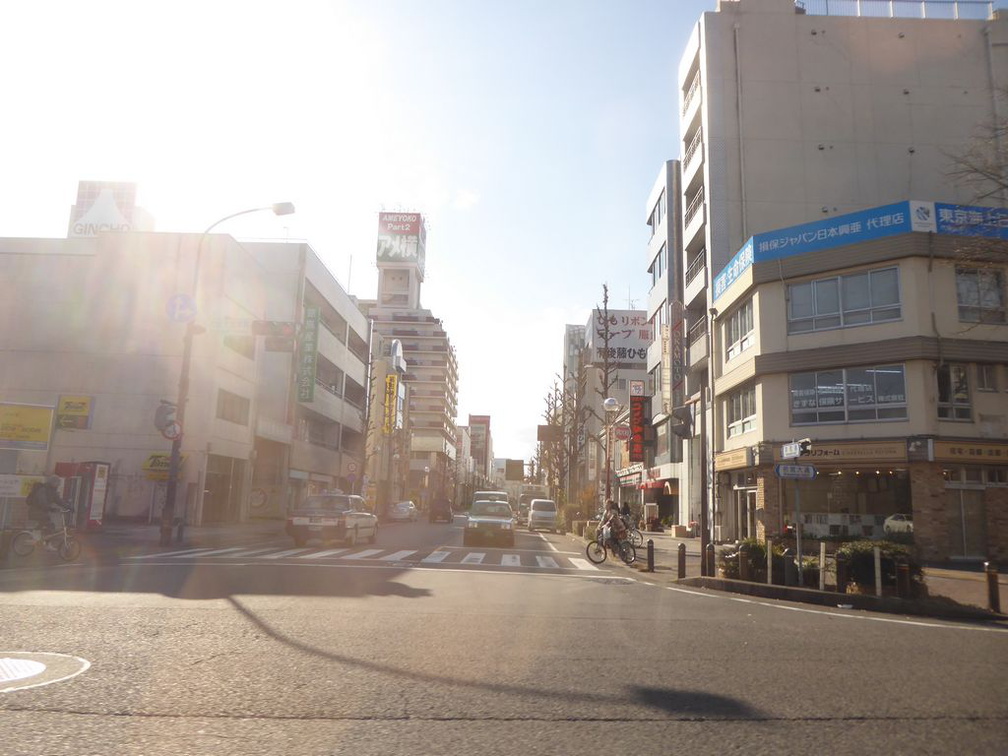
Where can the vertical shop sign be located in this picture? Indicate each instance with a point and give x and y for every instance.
(391, 401)
(308, 356)
(638, 418)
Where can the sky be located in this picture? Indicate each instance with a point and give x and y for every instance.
(528, 133)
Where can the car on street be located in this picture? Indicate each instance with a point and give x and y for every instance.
(898, 523)
(489, 521)
(332, 517)
(441, 511)
(403, 511)
(542, 515)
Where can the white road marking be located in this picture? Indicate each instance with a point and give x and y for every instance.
(366, 554)
(321, 554)
(398, 556)
(582, 564)
(436, 556)
(252, 551)
(546, 541)
(224, 551)
(840, 614)
(511, 560)
(282, 554)
(173, 553)
(473, 557)
(548, 562)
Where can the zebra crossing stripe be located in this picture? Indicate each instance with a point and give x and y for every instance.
(397, 556)
(366, 554)
(173, 553)
(545, 561)
(473, 557)
(510, 560)
(218, 552)
(582, 564)
(321, 554)
(282, 554)
(250, 552)
(435, 557)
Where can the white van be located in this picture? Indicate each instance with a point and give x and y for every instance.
(542, 514)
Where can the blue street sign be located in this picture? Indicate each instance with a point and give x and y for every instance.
(181, 308)
(801, 472)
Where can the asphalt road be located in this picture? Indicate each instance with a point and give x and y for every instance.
(230, 653)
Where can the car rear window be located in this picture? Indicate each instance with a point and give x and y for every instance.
(544, 506)
(490, 509)
(329, 503)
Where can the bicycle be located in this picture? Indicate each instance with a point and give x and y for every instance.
(597, 550)
(633, 533)
(68, 547)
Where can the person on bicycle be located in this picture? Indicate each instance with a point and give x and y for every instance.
(44, 503)
(612, 519)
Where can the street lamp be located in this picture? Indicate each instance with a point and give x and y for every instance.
(611, 406)
(168, 511)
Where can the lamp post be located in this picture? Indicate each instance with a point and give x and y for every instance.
(168, 511)
(610, 405)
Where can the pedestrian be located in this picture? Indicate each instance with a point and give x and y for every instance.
(44, 505)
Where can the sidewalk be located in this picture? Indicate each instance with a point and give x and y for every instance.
(957, 593)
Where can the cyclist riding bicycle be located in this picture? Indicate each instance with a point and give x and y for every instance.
(613, 525)
(44, 503)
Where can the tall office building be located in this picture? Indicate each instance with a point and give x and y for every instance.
(792, 113)
(432, 374)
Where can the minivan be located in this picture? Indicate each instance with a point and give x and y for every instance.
(542, 514)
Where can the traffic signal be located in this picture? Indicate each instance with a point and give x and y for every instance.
(804, 447)
(280, 328)
(164, 415)
(683, 425)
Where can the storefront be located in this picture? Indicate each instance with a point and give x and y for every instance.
(735, 498)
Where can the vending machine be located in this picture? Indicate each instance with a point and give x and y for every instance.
(86, 487)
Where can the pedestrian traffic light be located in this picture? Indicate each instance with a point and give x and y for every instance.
(804, 447)
(164, 415)
(683, 425)
(280, 328)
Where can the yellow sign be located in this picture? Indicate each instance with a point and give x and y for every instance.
(74, 412)
(733, 460)
(391, 402)
(157, 465)
(865, 452)
(971, 452)
(25, 426)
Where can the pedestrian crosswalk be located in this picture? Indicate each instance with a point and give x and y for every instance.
(444, 556)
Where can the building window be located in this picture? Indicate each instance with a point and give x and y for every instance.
(986, 377)
(980, 293)
(851, 395)
(953, 393)
(233, 408)
(871, 296)
(739, 331)
(741, 409)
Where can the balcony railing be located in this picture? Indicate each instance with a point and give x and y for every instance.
(697, 331)
(693, 147)
(694, 89)
(696, 267)
(977, 10)
(694, 207)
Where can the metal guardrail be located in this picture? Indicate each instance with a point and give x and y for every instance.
(694, 207)
(976, 10)
(696, 267)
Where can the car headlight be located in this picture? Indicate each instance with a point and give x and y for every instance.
(507, 525)
(471, 524)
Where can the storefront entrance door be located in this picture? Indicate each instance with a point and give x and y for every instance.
(967, 522)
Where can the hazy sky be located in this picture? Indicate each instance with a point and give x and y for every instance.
(528, 133)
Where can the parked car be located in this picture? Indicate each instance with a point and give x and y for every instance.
(542, 515)
(898, 523)
(403, 511)
(441, 510)
(489, 521)
(332, 517)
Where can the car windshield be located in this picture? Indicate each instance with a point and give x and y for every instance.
(490, 509)
(330, 503)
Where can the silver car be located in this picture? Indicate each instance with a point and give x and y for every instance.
(542, 515)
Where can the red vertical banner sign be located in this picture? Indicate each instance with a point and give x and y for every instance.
(638, 419)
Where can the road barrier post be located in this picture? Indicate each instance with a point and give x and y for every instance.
(903, 580)
(993, 589)
(682, 560)
(650, 555)
(710, 560)
(743, 561)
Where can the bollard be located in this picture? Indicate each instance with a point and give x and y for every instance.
(682, 560)
(710, 561)
(180, 530)
(878, 571)
(743, 561)
(903, 580)
(769, 561)
(993, 589)
(650, 555)
(841, 574)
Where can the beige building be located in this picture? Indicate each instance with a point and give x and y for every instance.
(880, 336)
(792, 113)
(100, 319)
